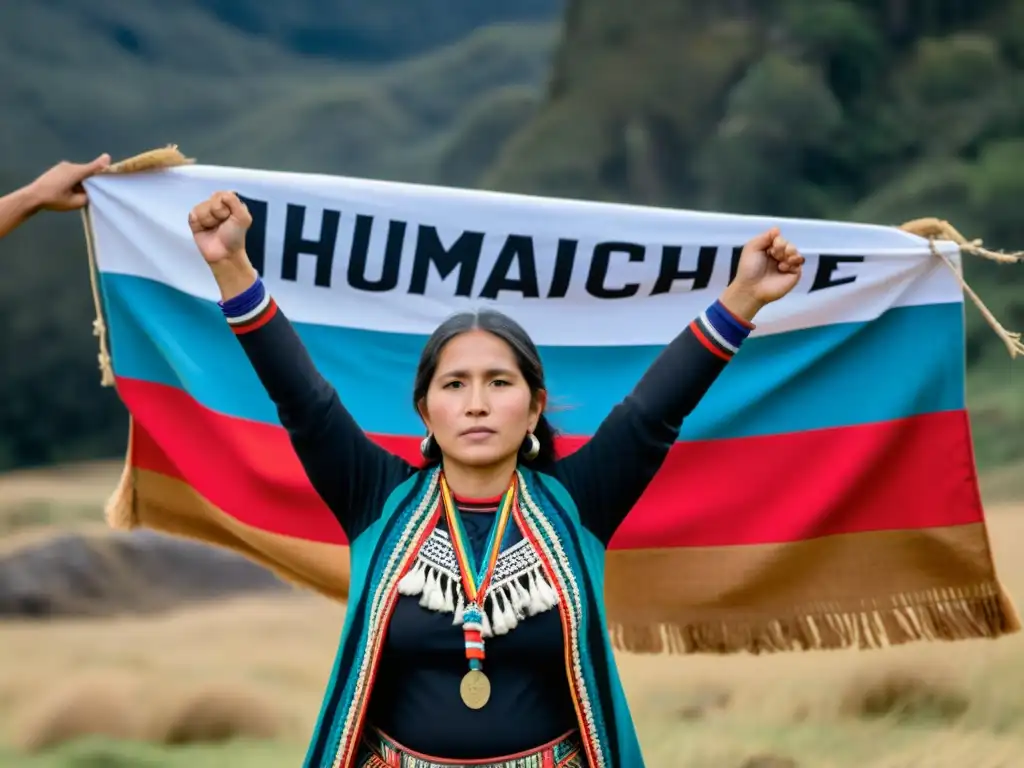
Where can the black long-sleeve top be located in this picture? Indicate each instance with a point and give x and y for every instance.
(415, 698)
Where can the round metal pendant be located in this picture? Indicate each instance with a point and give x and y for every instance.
(475, 689)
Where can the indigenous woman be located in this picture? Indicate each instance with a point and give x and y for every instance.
(475, 632)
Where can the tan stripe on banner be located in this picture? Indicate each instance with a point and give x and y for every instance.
(172, 506)
(728, 580)
(864, 589)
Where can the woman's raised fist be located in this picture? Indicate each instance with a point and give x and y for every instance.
(219, 226)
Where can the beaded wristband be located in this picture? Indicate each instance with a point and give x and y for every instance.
(245, 302)
(720, 330)
(250, 310)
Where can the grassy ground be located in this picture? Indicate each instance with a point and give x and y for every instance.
(97, 753)
(935, 705)
(167, 679)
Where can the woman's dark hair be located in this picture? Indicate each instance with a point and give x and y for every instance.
(527, 358)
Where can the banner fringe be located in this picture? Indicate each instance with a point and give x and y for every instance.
(939, 615)
(933, 229)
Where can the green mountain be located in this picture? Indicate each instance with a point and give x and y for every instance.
(231, 85)
(840, 109)
(124, 77)
(372, 30)
(856, 109)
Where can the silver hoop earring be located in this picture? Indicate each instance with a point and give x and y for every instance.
(427, 446)
(532, 445)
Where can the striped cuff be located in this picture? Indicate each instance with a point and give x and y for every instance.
(720, 330)
(249, 310)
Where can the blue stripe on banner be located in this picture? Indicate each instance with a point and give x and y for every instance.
(905, 363)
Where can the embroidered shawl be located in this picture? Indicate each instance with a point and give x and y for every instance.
(573, 567)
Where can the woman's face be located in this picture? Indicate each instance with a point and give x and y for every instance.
(478, 405)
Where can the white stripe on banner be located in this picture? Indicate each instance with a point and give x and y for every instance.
(401, 257)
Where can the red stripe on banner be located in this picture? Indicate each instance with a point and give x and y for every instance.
(911, 473)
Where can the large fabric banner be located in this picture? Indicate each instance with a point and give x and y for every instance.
(823, 493)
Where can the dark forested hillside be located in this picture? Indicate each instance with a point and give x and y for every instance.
(844, 109)
(80, 78)
(860, 109)
(354, 31)
(382, 88)
(372, 30)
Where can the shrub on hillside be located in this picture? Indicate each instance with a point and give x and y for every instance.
(88, 707)
(214, 714)
(119, 709)
(905, 696)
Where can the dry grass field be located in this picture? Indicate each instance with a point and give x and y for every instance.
(253, 669)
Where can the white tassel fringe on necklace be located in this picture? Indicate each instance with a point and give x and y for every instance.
(519, 587)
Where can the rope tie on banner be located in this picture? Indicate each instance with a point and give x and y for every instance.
(934, 230)
(153, 160)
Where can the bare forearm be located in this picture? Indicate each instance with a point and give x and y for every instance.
(741, 303)
(234, 275)
(15, 209)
